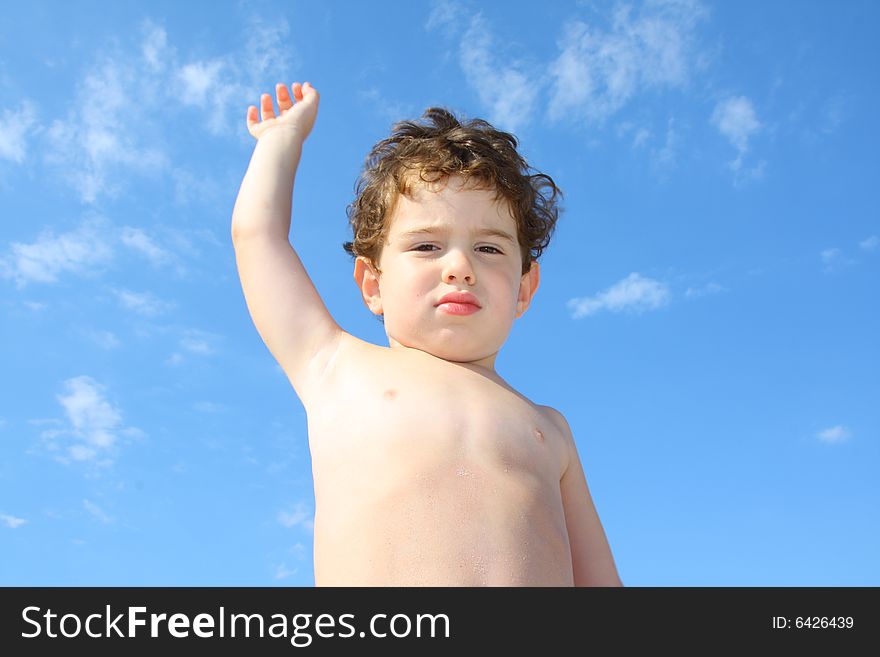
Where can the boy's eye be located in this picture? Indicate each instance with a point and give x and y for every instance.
(420, 247)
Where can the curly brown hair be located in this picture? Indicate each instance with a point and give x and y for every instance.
(437, 149)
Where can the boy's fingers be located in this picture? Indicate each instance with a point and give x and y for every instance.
(267, 111)
(308, 88)
(283, 95)
(251, 116)
(297, 91)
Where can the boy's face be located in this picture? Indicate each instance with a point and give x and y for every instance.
(436, 245)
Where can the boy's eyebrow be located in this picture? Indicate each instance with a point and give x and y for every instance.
(494, 232)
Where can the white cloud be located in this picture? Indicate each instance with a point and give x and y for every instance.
(829, 256)
(870, 243)
(154, 47)
(137, 239)
(16, 125)
(835, 111)
(198, 79)
(126, 106)
(641, 136)
(86, 249)
(380, 104)
(735, 118)
(229, 83)
(77, 251)
(104, 339)
(283, 572)
(834, 259)
(92, 416)
(189, 187)
(664, 157)
(634, 293)
(599, 71)
(709, 288)
(97, 512)
(94, 424)
(444, 15)
(298, 516)
(11, 521)
(208, 407)
(835, 434)
(505, 84)
(198, 342)
(142, 303)
(102, 137)
(268, 48)
(509, 90)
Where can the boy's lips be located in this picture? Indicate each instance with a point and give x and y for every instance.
(459, 298)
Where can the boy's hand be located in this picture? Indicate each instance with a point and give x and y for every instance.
(299, 116)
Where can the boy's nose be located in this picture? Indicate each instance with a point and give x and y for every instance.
(458, 268)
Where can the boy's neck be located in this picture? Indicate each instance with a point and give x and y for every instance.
(484, 366)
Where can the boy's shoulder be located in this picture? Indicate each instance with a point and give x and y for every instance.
(558, 420)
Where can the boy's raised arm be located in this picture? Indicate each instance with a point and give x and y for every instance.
(286, 309)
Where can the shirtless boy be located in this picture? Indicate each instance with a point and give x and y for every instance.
(429, 469)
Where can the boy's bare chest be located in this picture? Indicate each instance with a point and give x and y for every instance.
(424, 412)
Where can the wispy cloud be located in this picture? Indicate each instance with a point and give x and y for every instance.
(298, 516)
(705, 290)
(79, 251)
(94, 424)
(104, 339)
(142, 303)
(102, 139)
(138, 240)
(198, 342)
(736, 120)
(208, 407)
(224, 86)
(506, 85)
(90, 248)
(97, 512)
(635, 294)
(114, 126)
(508, 89)
(834, 259)
(11, 521)
(601, 69)
(834, 434)
(870, 243)
(154, 46)
(388, 109)
(283, 572)
(444, 16)
(15, 127)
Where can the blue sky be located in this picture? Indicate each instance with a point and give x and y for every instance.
(707, 319)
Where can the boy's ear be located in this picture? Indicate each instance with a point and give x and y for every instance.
(367, 279)
(528, 285)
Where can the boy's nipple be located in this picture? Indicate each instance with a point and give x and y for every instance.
(390, 394)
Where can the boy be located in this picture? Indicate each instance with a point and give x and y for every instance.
(428, 468)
